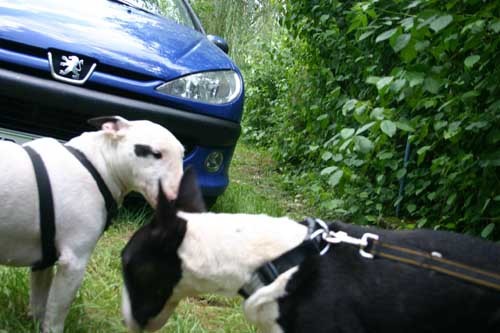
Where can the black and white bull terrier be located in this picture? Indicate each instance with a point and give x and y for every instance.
(128, 156)
(184, 253)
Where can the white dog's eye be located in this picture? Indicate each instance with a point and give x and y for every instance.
(146, 151)
(157, 154)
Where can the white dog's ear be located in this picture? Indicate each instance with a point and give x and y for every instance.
(189, 198)
(109, 124)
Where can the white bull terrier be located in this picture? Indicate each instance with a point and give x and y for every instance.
(128, 156)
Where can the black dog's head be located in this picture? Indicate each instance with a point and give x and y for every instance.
(150, 262)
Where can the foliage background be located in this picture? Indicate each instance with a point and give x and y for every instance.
(339, 91)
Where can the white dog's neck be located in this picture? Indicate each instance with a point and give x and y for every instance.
(93, 144)
(220, 252)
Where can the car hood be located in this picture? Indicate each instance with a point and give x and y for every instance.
(114, 34)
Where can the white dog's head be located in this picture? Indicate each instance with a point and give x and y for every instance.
(139, 154)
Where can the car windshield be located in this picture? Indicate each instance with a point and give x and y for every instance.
(174, 9)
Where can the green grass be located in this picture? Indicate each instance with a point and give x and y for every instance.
(96, 309)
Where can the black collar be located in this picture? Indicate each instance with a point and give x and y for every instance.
(110, 202)
(269, 271)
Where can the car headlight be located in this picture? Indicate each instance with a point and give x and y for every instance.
(210, 87)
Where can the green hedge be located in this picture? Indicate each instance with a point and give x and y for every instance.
(348, 86)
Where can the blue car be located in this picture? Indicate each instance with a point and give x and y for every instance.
(63, 62)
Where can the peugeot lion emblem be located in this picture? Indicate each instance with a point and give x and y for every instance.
(73, 64)
(70, 68)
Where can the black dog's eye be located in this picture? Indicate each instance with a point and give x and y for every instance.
(145, 151)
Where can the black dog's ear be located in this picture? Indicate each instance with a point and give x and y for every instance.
(167, 230)
(165, 210)
(190, 198)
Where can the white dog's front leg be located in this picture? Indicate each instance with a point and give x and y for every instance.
(67, 280)
(39, 291)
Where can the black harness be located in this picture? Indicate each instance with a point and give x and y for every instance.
(318, 241)
(269, 271)
(46, 206)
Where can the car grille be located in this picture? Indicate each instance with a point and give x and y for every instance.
(62, 124)
(27, 117)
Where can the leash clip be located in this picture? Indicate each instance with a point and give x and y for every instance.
(342, 237)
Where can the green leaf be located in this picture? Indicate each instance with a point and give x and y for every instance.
(423, 150)
(326, 156)
(487, 230)
(365, 35)
(349, 106)
(421, 222)
(384, 82)
(333, 204)
(337, 157)
(346, 133)
(485, 205)
(451, 199)
(441, 22)
(422, 45)
(364, 128)
(385, 155)
(440, 124)
(407, 23)
(377, 114)
(345, 144)
(324, 18)
(471, 60)
(470, 94)
(414, 4)
(421, 153)
(397, 85)
(401, 42)
(432, 85)
(372, 79)
(415, 78)
(495, 26)
(411, 208)
(404, 126)
(388, 127)
(385, 35)
(363, 144)
(334, 179)
(328, 170)
(401, 173)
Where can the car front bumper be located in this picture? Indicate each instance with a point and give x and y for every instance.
(44, 107)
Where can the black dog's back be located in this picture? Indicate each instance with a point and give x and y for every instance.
(344, 292)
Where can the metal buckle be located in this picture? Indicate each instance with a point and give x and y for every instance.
(323, 232)
(364, 243)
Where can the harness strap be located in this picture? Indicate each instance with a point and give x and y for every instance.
(110, 202)
(434, 261)
(46, 207)
(270, 270)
